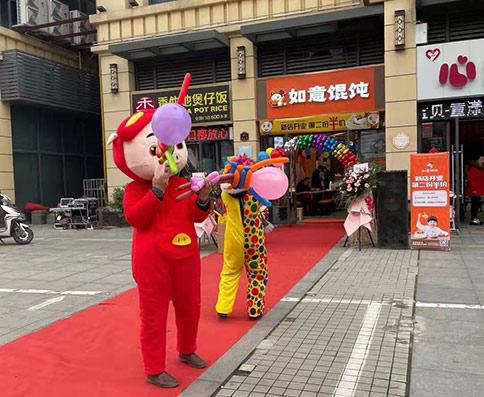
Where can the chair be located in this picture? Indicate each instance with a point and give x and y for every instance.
(205, 230)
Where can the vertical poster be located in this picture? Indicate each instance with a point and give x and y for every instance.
(430, 211)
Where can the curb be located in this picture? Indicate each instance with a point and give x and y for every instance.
(215, 376)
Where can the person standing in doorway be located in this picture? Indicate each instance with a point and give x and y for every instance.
(475, 188)
(317, 178)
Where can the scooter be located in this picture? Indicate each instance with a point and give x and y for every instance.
(13, 222)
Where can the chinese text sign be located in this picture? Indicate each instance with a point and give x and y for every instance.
(206, 104)
(208, 134)
(321, 93)
(467, 108)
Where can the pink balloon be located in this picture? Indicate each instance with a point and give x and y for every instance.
(270, 183)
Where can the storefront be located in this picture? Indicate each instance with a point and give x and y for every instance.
(345, 104)
(211, 140)
(56, 133)
(450, 80)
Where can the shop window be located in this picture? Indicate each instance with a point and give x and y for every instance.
(75, 172)
(26, 168)
(453, 22)
(209, 156)
(53, 152)
(52, 178)
(434, 136)
(206, 67)
(372, 147)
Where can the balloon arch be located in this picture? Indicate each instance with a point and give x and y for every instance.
(323, 144)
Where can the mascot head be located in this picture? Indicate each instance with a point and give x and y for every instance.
(135, 147)
(137, 151)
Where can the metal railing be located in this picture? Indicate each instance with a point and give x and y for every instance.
(95, 188)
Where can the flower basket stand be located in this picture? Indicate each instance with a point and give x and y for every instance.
(359, 238)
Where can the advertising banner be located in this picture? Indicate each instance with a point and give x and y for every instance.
(205, 104)
(430, 209)
(322, 123)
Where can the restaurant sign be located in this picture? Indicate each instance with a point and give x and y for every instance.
(321, 93)
(446, 110)
(208, 134)
(205, 104)
(322, 123)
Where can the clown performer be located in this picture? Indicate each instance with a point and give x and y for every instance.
(166, 257)
(244, 244)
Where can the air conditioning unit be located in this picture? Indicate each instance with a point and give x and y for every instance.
(81, 26)
(32, 12)
(58, 11)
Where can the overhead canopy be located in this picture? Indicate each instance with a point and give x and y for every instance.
(424, 3)
(306, 26)
(167, 45)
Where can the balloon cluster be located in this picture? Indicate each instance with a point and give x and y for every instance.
(259, 179)
(171, 125)
(271, 153)
(324, 145)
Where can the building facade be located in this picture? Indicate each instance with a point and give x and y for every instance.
(265, 69)
(50, 124)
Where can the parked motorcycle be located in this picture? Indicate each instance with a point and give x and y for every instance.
(12, 222)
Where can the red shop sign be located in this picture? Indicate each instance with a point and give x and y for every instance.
(208, 134)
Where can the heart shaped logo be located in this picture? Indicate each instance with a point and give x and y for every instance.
(461, 59)
(433, 54)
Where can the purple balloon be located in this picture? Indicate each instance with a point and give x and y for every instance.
(171, 123)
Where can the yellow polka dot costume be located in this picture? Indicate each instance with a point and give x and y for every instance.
(244, 247)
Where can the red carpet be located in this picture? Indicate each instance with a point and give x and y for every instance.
(325, 220)
(96, 352)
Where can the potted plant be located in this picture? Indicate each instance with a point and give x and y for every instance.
(113, 214)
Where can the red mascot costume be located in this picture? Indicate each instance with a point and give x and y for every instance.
(166, 257)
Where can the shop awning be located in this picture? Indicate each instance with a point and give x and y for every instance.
(167, 45)
(33, 80)
(306, 26)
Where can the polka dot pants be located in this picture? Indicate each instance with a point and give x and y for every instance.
(255, 257)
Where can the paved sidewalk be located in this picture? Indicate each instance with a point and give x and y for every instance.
(349, 336)
(60, 273)
(448, 348)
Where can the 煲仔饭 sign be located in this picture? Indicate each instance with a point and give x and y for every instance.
(205, 104)
(430, 211)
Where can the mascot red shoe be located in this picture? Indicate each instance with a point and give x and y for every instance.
(165, 257)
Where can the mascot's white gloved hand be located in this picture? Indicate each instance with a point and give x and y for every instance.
(269, 228)
(162, 175)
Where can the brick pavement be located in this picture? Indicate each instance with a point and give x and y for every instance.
(58, 261)
(349, 336)
(448, 345)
